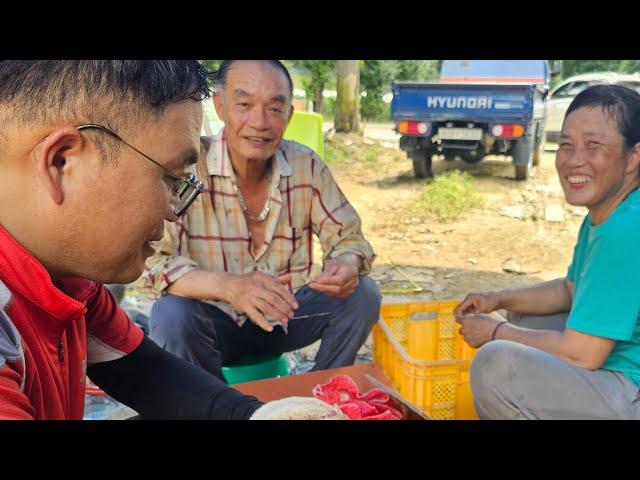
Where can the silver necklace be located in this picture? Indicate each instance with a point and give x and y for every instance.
(267, 205)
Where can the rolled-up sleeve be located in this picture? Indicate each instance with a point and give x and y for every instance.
(335, 221)
(170, 262)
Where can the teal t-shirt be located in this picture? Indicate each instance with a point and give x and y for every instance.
(605, 272)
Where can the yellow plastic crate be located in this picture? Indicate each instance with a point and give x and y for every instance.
(419, 348)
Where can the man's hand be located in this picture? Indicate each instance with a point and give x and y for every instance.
(261, 296)
(477, 328)
(477, 303)
(338, 279)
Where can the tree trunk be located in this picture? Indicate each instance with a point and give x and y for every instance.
(318, 101)
(348, 100)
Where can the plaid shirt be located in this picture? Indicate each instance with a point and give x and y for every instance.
(213, 234)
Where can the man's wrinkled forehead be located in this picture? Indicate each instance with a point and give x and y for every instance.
(248, 78)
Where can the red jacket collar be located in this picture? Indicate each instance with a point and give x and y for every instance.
(23, 273)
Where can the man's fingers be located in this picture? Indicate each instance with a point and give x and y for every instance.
(341, 277)
(331, 268)
(329, 280)
(259, 319)
(280, 310)
(337, 290)
(326, 289)
(276, 287)
(283, 279)
(269, 311)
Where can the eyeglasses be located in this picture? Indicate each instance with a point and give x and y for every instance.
(186, 189)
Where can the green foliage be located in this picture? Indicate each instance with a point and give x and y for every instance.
(319, 74)
(448, 196)
(418, 69)
(212, 65)
(576, 67)
(376, 77)
(329, 109)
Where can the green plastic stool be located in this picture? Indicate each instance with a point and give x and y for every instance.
(256, 367)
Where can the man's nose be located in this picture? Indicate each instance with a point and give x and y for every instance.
(258, 119)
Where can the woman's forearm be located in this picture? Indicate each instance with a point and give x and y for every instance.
(542, 299)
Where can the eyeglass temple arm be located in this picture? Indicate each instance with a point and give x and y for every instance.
(119, 138)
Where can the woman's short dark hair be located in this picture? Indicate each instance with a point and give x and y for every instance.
(621, 104)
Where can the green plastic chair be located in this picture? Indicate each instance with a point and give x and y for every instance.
(256, 367)
(306, 128)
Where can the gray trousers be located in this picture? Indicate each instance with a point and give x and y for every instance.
(206, 336)
(513, 381)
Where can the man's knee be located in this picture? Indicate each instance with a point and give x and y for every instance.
(369, 299)
(174, 318)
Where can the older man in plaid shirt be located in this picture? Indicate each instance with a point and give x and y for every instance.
(244, 249)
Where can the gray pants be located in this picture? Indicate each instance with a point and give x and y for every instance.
(206, 336)
(514, 381)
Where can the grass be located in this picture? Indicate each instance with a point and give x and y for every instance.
(372, 153)
(335, 152)
(448, 196)
(400, 156)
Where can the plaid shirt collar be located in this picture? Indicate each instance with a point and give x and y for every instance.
(219, 162)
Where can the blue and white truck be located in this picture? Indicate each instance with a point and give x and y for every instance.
(477, 108)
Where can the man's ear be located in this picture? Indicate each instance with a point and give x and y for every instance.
(217, 103)
(290, 114)
(51, 159)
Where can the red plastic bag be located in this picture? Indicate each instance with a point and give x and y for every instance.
(341, 390)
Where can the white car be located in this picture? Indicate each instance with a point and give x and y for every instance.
(561, 96)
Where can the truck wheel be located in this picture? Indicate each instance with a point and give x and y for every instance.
(538, 150)
(523, 153)
(422, 163)
(537, 153)
(522, 172)
(471, 156)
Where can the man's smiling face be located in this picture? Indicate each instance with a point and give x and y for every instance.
(255, 106)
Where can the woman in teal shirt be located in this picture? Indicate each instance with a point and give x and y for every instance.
(546, 364)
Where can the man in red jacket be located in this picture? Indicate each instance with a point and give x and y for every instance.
(94, 158)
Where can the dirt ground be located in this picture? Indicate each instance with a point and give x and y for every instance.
(523, 233)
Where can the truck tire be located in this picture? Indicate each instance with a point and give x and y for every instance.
(470, 157)
(422, 163)
(537, 153)
(523, 153)
(522, 172)
(538, 148)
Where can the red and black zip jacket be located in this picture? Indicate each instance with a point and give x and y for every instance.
(53, 333)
